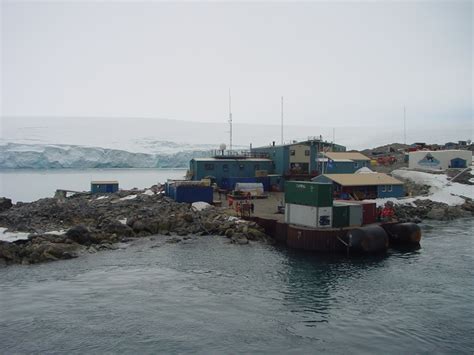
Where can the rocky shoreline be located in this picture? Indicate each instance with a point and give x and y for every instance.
(63, 228)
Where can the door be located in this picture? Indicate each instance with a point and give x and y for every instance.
(109, 188)
(458, 163)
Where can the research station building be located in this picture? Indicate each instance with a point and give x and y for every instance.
(439, 159)
(363, 185)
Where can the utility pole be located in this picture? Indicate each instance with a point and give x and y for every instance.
(282, 120)
(230, 123)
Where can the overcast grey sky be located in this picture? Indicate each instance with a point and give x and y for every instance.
(344, 63)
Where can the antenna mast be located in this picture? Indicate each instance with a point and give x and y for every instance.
(404, 125)
(282, 120)
(230, 122)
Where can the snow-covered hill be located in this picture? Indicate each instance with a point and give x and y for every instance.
(37, 156)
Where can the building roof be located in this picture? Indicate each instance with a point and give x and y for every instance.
(363, 179)
(305, 142)
(104, 182)
(211, 159)
(346, 155)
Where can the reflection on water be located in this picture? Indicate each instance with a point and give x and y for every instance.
(204, 295)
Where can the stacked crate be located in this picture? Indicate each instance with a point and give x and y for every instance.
(308, 204)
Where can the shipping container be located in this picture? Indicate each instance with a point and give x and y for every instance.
(308, 193)
(229, 183)
(355, 212)
(369, 212)
(104, 186)
(254, 188)
(355, 215)
(265, 181)
(340, 215)
(308, 216)
(191, 193)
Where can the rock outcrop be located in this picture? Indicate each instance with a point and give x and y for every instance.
(94, 222)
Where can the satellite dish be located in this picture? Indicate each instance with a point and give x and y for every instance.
(222, 146)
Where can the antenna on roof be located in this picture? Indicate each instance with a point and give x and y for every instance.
(282, 120)
(230, 121)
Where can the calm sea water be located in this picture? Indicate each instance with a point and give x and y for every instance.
(29, 185)
(206, 296)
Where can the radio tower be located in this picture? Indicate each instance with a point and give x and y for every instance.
(230, 123)
(282, 120)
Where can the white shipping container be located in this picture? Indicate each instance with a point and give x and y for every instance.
(308, 216)
(355, 215)
(255, 188)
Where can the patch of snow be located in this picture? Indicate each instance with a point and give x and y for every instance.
(200, 205)
(471, 180)
(364, 170)
(60, 232)
(12, 236)
(129, 197)
(101, 197)
(123, 221)
(148, 192)
(441, 189)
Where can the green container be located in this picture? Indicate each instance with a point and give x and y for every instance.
(340, 215)
(308, 193)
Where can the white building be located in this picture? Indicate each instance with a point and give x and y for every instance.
(439, 159)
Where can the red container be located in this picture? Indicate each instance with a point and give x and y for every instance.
(369, 212)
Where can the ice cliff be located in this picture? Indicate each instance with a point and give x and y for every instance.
(37, 156)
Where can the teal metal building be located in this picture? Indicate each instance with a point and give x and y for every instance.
(223, 169)
(297, 160)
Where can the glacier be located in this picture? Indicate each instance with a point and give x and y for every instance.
(57, 156)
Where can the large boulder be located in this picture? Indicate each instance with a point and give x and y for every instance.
(120, 229)
(437, 213)
(81, 235)
(9, 252)
(5, 204)
(47, 251)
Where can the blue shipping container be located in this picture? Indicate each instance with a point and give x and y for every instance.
(265, 181)
(104, 187)
(193, 193)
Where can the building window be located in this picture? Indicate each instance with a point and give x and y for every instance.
(257, 167)
(241, 166)
(225, 168)
(306, 152)
(292, 152)
(389, 188)
(209, 166)
(356, 165)
(384, 188)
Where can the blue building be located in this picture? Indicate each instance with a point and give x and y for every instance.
(104, 186)
(225, 171)
(363, 185)
(297, 159)
(342, 162)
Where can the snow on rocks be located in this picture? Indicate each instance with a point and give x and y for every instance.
(148, 192)
(441, 189)
(200, 205)
(12, 236)
(129, 197)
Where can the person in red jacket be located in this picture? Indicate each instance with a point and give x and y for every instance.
(388, 213)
